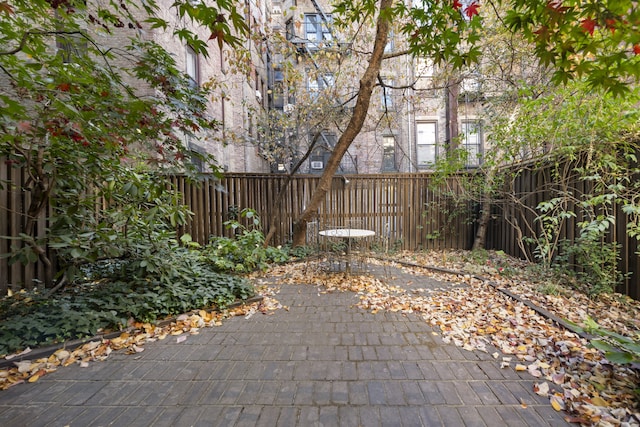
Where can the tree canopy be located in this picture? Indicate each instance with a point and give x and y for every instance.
(89, 101)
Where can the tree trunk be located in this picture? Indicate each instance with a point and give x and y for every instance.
(367, 83)
(480, 240)
(483, 221)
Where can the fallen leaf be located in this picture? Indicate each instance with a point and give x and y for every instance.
(557, 403)
(541, 389)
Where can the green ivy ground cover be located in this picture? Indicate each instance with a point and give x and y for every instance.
(32, 319)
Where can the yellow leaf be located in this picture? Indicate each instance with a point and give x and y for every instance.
(34, 378)
(520, 367)
(556, 403)
(598, 401)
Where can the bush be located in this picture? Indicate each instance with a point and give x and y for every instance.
(181, 282)
(595, 263)
(245, 251)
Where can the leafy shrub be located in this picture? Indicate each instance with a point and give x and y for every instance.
(595, 263)
(245, 251)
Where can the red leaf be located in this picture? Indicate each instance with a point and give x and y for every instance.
(472, 10)
(64, 87)
(636, 49)
(588, 25)
(611, 24)
(23, 126)
(457, 5)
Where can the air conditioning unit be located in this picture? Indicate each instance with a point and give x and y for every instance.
(317, 165)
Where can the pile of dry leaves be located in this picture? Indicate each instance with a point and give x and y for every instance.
(132, 341)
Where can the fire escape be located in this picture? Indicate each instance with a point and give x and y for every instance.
(280, 101)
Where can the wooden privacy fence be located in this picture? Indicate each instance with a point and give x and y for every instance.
(406, 211)
(403, 210)
(400, 208)
(514, 217)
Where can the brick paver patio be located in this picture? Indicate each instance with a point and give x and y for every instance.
(322, 362)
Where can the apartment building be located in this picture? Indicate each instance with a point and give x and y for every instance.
(238, 86)
(417, 112)
(285, 95)
(238, 82)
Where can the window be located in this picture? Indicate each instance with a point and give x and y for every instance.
(290, 29)
(390, 46)
(427, 143)
(471, 84)
(315, 29)
(472, 142)
(386, 99)
(389, 153)
(424, 67)
(278, 89)
(316, 83)
(192, 67)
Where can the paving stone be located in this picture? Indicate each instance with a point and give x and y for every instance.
(248, 416)
(484, 392)
(375, 391)
(467, 395)
(450, 416)
(449, 392)
(394, 393)
(348, 415)
(410, 416)
(430, 416)
(369, 416)
(472, 417)
(510, 415)
(288, 416)
(339, 393)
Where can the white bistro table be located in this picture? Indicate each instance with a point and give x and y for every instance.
(347, 234)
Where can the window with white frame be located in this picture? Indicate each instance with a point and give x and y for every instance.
(471, 84)
(316, 29)
(424, 71)
(471, 134)
(427, 144)
(388, 153)
(192, 71)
